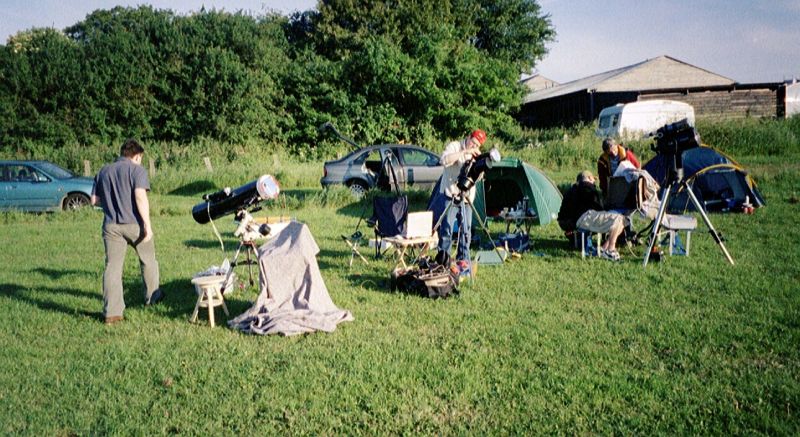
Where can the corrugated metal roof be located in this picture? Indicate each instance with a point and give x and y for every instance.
(657, 73)
(538, 82)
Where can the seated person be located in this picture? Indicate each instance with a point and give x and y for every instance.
(607, 163)
(582, 208)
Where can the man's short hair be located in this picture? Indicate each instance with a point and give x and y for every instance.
(584, 176)
(607, 143)
(131, 148)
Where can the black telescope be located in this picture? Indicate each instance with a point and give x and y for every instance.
(671, 141)
(228, 201)
(472, 170)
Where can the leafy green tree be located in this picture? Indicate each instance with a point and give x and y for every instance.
(409, 70)
(401, 70)
(40, 87)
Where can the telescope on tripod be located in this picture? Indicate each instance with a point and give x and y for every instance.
(471, 172)
(671, 141)
(242, 201)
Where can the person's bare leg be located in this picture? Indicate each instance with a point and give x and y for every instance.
(611, 243)
(613, 234)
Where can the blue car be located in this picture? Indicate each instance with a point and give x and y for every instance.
(41, 186)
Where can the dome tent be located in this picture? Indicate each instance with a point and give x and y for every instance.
(511, 179)
(718, 182)
(507, 182)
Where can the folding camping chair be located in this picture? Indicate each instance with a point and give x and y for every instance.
(623, 197)
(388, 215)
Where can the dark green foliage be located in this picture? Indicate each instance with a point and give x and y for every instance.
(382, 71)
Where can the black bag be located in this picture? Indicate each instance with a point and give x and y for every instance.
(433, 282)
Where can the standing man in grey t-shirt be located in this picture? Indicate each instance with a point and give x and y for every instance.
(121, 189)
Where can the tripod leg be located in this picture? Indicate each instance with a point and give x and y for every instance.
(711, 229)
(485, 229)
(442, 217)
(657, 224)
(230, 270)
(250, 264)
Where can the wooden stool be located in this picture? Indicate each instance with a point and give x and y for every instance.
(209, 296)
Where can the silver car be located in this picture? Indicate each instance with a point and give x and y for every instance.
(414, 166)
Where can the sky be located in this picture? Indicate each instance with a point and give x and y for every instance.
(749, 41)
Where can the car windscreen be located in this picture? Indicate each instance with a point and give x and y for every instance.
(55, 171)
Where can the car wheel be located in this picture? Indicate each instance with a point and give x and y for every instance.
(75, 201)
(358, 188)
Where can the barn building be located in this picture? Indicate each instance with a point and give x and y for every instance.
(664, 77)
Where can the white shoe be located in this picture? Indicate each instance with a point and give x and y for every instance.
(611, 255)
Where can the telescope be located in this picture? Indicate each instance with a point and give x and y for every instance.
(671, 141)
(472, 170)
(228, 201)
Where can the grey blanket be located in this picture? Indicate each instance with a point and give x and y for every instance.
(293, 298)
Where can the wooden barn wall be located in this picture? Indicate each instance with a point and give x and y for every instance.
(571, 108)
(562, 110)
(727, 104)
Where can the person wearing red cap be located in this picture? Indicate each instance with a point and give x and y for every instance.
(455, 155)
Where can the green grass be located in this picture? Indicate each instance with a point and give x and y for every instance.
(545, 344)
(542, 345)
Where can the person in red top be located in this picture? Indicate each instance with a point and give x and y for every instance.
(607, 163)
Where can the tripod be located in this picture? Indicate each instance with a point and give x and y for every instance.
(677, 180)
(247, 232)
(463, 197)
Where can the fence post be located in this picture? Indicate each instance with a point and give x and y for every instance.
(152, 167)
(87, 168)
(208, 164)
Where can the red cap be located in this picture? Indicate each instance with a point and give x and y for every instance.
(479, 135)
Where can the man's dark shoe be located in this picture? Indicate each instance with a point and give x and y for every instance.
(113, 319)
(157, 296)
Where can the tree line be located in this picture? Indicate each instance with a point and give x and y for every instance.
(382, 71)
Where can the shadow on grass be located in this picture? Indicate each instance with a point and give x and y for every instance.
(180, 298)
(370, 282)
(212, 243)
(178, 303)
(60, 273)
(552, 246)
(328, 254)
(194, 188)
(299, 193)
(25, 294)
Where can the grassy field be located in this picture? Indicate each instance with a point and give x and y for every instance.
(545, 344)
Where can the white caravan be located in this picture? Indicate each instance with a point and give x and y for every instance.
(639, 119)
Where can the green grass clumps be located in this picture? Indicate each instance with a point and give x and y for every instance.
(753, 137)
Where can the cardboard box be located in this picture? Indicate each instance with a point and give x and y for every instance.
(419, 224)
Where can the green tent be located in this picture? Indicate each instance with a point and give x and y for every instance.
(511, 179)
